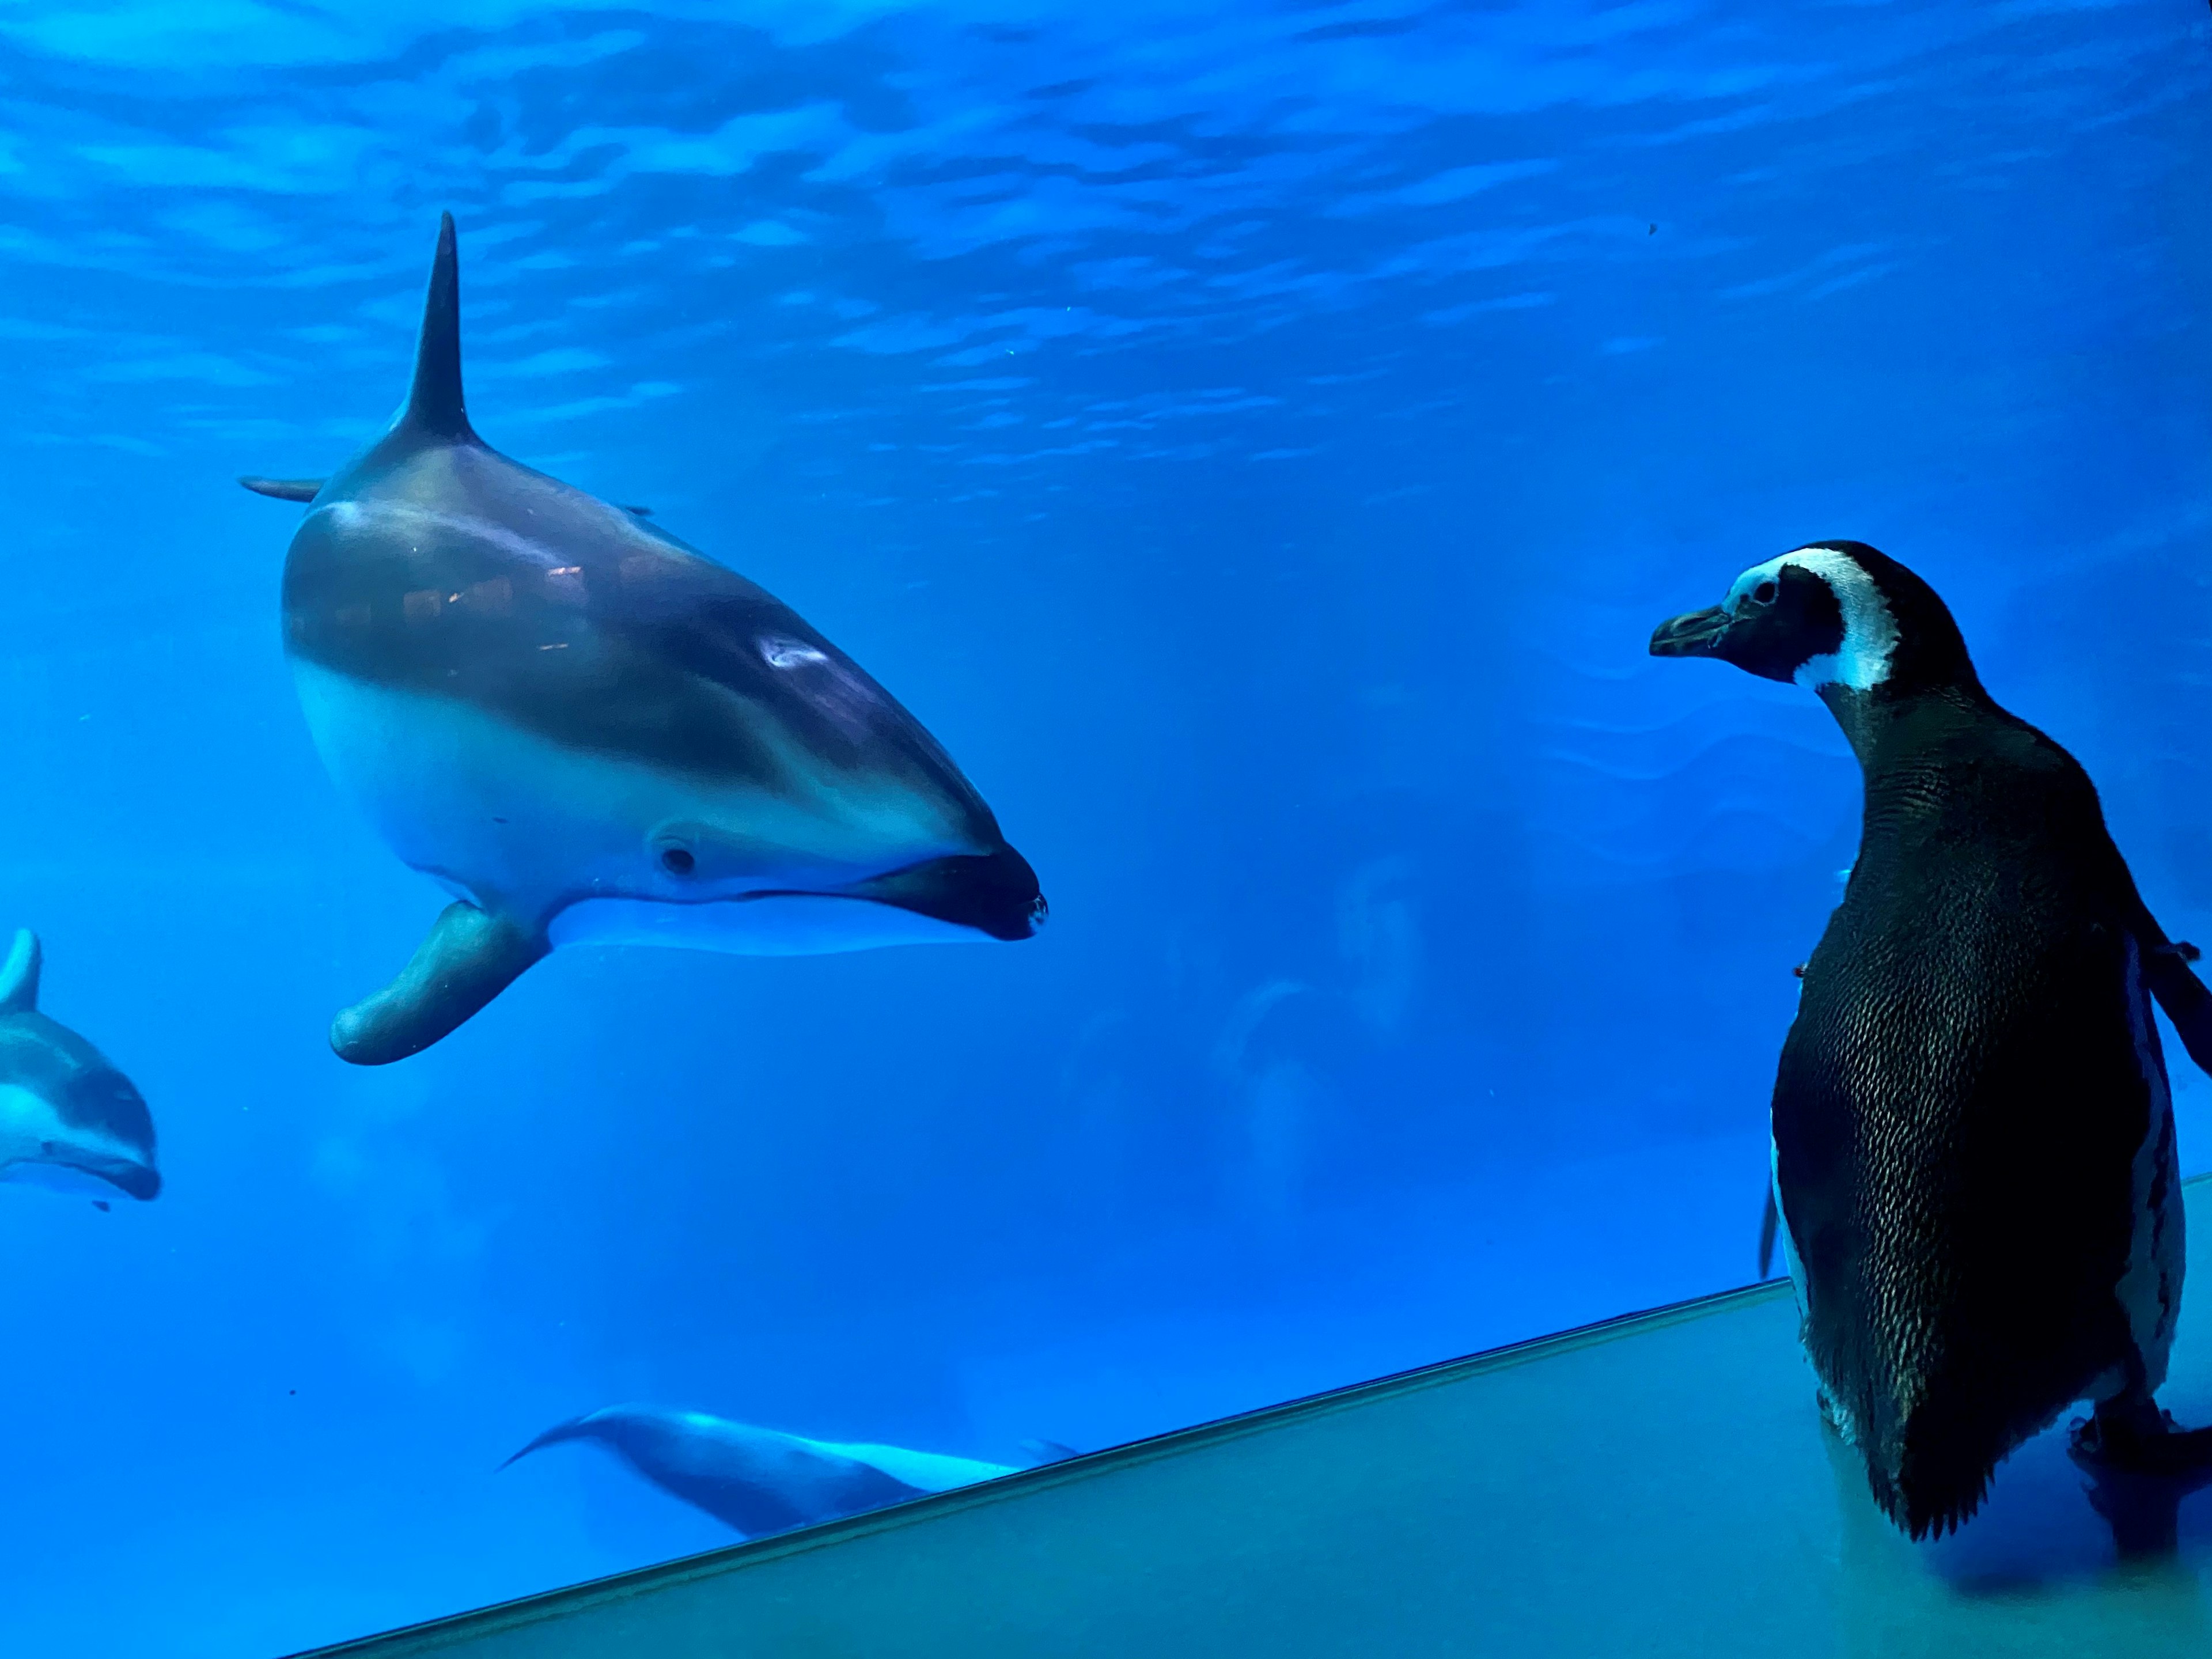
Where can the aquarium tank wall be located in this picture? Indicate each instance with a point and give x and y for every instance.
(1254, 440)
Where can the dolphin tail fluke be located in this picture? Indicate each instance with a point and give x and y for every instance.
(470, 956)
(433, 402)
(19, 976)
(574, 1429)
(285, 489)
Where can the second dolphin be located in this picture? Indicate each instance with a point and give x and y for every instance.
(762, 1481)
(68, 1119)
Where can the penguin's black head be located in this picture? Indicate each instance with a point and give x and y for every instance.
(1833, 613)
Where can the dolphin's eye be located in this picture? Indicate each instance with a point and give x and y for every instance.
(46, 1149)
(677, 860)
(1764, 593)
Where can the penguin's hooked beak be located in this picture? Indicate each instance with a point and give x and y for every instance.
(1694, 634)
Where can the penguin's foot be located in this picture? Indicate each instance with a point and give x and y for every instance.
(2132, 1433)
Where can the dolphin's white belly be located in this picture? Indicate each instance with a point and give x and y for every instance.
(926, 1471)
(28, 1124)
(32, 1136)
(563, 837)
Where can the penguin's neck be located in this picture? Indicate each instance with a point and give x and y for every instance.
(1882, 719)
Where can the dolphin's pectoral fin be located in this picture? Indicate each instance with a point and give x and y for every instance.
(285, 489)
(470, 957)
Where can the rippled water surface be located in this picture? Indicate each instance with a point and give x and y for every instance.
(1258, 442)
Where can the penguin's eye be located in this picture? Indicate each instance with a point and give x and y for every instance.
(1764, 593)
(677, 860)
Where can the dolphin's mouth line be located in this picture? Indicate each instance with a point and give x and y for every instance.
(703, 901)
(993, 894)
(138, 1181)
(808, 893)
(756, 896)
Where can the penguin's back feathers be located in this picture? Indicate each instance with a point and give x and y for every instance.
(1961, 1110)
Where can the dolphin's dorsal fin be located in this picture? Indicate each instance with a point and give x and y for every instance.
(285, 489)
(18, 977)
(433, 402)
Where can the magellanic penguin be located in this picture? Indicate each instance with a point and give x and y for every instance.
(1974, 1142)
(587, 731)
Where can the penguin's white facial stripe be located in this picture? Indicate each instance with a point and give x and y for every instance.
(1743, 585)
(1869, 630)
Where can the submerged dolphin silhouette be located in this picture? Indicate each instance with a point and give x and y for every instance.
(587, 731)
(68, 1119)
(761, 1480)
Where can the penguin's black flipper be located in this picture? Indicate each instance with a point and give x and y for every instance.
(1769, 1224)
(2183, 995)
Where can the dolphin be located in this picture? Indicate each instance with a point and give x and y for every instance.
(587, 731)
(68, 1119)
(762, 1481)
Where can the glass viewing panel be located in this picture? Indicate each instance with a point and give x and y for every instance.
(1659, 1484)
(1218, 469)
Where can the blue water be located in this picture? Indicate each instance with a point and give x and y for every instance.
(1258, 442)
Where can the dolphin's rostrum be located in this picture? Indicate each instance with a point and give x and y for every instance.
(585, 730)
(68, 1119)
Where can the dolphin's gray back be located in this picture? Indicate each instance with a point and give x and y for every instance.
(441, 567)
